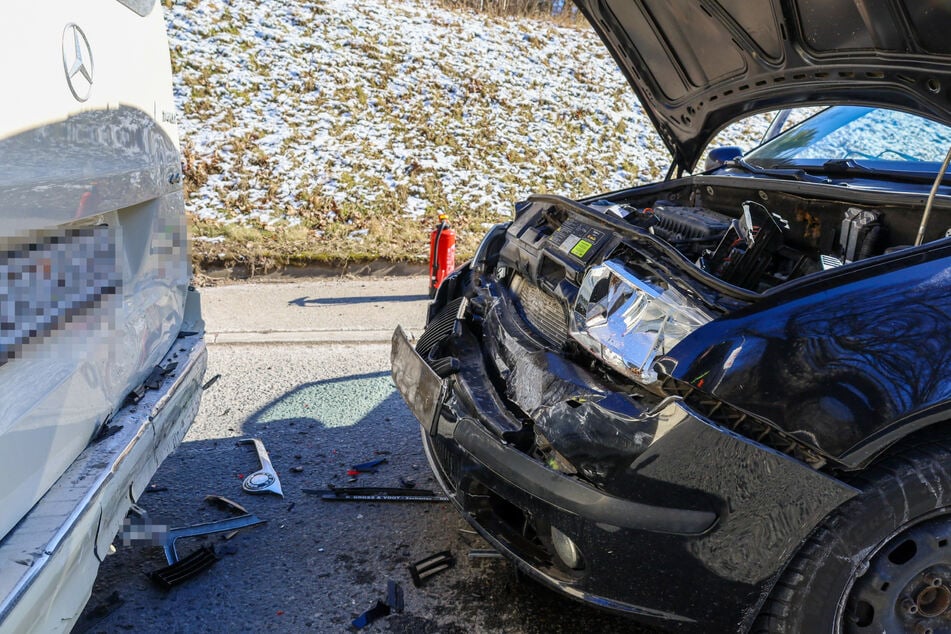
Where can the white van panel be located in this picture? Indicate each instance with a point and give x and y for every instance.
(82, 328)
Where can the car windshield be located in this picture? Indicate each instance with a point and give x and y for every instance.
(874, 138)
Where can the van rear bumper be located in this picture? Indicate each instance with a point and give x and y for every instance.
(49, 561)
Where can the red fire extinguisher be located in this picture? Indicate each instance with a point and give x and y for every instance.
(442, 254)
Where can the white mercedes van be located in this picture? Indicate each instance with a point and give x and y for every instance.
(101, 339)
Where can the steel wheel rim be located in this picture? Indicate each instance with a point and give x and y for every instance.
(904, 585)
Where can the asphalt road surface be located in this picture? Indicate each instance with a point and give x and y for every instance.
(319, 407)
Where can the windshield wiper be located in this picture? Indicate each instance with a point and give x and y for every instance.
(843, 166)
(796, 174)
(848, 167)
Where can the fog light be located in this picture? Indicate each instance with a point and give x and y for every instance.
(567, 550)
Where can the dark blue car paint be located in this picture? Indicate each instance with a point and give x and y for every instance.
(839, 362)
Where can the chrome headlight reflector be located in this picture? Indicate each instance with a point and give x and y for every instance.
(627, 322)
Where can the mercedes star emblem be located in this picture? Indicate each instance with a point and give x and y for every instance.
(77, 62)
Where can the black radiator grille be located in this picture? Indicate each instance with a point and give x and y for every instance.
(439, 328)
(545, 314)
(447, 462)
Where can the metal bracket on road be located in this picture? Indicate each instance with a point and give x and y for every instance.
(377, 494)
(265, 479)
(180, 570)
(221, 526)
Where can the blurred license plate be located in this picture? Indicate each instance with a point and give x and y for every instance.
(52, 280)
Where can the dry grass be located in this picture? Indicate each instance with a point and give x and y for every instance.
(564, 13)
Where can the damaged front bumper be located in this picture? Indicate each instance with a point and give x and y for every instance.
(688, 505)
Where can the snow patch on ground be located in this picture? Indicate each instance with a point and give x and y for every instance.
(303, 110)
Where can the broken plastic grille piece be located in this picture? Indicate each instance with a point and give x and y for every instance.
(432, 565)
(184, 569)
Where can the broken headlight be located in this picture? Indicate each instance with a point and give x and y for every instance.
(626, 322)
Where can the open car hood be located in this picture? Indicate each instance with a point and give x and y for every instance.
(697, 65)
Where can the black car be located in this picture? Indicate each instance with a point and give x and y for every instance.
(721, 402)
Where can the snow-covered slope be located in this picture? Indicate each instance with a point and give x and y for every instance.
(297, 110)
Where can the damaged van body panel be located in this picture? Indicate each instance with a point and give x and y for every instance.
(95, 257)
(101, 336)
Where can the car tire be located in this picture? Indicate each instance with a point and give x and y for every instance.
(881, 562)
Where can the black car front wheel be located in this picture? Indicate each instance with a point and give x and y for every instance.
(882, 561)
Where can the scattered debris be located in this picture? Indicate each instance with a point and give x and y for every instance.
(394, 595)
(158, 374)
(180, 570)
(368, 467)
(377, 494)
(105, 431)
(393, 603)
(406, 482)
(265, 479)
(154, 488)
(184, 569)
(432, 565)
(376, 612)
(226, 505)
(211, 382)
(297, 469)
(207, 528)
(152, 382)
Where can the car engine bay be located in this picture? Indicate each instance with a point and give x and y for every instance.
(752, 240)
(625, 277)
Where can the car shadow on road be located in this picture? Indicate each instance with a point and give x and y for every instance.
(305, 301)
